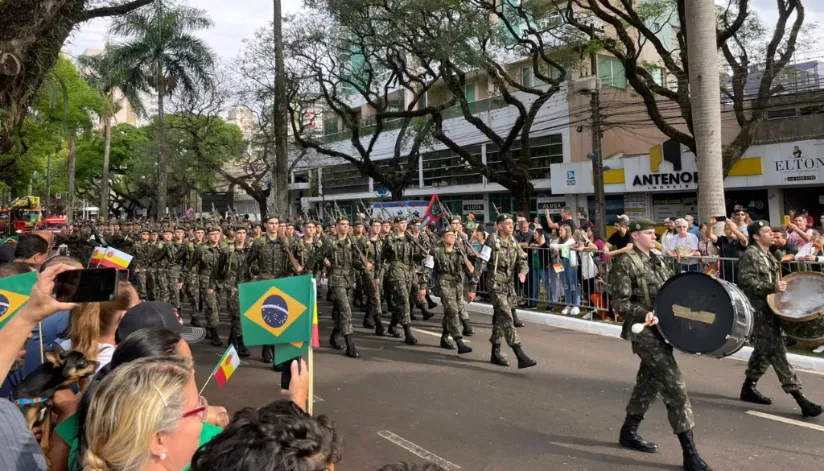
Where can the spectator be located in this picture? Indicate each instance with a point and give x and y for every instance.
(157, 314)
(740, 218)
(730, 248)
(92, 326)
(33, 250)
(583, 219)
(821, 221)
(683, 246)
(569, 277)
(7, 250)
(590, 270)
(797, 232)
(691, 227)
(783, 251)
(526, 239)
(541, 264)
(620, 241)
(669, 232)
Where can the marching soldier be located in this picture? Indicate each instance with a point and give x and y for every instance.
(423, 246)
(157, 274)
(191, 285)
(372, 248)
(635, 280)
(175, 256)
(449, 266)
(270, 257)
(504, 258)
(206, 260)
(342, 257)
(359, 238)
(401, 255)
(257, 231)
(758, 278)
(463, 246)
(234, 256)
(141, 262)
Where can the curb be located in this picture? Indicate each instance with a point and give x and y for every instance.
(801, 362)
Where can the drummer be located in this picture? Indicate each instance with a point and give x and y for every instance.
(759, 278)
(635, 279)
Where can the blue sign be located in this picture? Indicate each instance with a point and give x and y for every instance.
(382, 192)
(571, 177)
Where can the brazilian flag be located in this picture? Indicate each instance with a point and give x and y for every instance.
(278, 312)
(14, 293)
(15, 239)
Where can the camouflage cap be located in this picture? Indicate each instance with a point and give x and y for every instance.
(756, 226)
(640, 224)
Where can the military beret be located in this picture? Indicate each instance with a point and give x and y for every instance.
(398, 219)
(359, 222)
(239, 227)
(641, 224)
(375, 221)
(213, 229)
(273, 216)
(503, 217)
(756, 226)
(180, 228)
(168, 229)
(144, 231)
(456, 218)
(415, 221)
(200, 228)
(310, 223)
(387, 221)
(341, 219)
(447, 230)
(257, 224)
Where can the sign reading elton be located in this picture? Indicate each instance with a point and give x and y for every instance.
(804, 165)
(667, 170)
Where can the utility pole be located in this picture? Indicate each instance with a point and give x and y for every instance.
(597, 155)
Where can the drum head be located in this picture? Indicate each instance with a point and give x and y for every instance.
(695, 313)
(803, 300)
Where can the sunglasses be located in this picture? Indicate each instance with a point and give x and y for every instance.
(200, 411)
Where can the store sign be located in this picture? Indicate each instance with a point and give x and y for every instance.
(552, 203)
(802, 165)
(665, 169)
(638, 206)
(474, 206)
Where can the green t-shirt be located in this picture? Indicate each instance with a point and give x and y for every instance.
(67, 430)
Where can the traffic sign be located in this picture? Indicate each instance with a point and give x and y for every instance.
(382, 192)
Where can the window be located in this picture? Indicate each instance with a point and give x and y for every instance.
(330, 125)
(815, 109)
(528, 78)
(422, 101)
(611, 72)
(544, 150)
(657, 75)
(469, 92)
(781, 114)
(443, 168)
(345, 178)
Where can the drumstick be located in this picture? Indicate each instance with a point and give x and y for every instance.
(638, 328)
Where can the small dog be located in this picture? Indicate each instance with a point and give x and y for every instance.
(35, 394)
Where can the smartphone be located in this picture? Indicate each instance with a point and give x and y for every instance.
(286, 373)
(62, 249)
(86, 286)
(123, 275)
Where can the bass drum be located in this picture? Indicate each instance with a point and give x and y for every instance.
(703, 315)
(800, 308)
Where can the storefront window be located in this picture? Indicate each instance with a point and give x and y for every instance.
(544, 150)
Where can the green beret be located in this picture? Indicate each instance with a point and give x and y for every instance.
(213, 229)
(447, 230)
(168, 229)
(756, 226)
(387, 221)
(239, 227)
(503, 217)
(641, 224)
(375, 221)
(257, 224)
(200, 228)
(454, 219)
(399, 219)
(415, 221)
(180, 228)
(273, 216)
(341, 219)
(359, 222)
(142, 231)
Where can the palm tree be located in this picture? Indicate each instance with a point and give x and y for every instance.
(162, 53)
(103, 75)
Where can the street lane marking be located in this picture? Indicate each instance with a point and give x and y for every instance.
(819, 373)
(434, 334)
(417, 451)
(786, 420)
(317, 399)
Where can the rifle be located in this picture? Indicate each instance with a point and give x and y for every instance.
(295, 265)
(363, 258)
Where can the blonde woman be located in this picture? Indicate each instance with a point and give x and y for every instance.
(145, 416)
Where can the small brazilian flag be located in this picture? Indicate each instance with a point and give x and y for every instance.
(277, 311)
(14, 293)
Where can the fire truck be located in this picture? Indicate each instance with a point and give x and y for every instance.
(22, 216)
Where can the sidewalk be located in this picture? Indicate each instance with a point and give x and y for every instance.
(801, 362)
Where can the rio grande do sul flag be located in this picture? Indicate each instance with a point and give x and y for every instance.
(277, 311)
(14, 293)
(114, 258)
(226, 366)
(97, 256)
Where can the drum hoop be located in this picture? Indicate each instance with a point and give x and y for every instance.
(772, 303)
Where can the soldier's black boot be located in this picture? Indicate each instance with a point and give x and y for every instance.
(497, 358)
(468, 331)
(429, 302)
(333, 340)
(629, 436)
(427, 314)
(351, 351)
(523, 360)
(515, 321)
(393, 330)
(808, 409)
(208, 335)
(379, 330)
(242, 351)
(692, 460)
(215, 338)
(408, 338)
(445, 343)
(750, 394)
(195, 322)
(268, 354)
(368, 322)
(462, 347)
(232, 340)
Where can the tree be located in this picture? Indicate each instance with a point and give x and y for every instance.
(162, 53)
(33, 33)
(280, 174)
(106, 77)
(756, 58)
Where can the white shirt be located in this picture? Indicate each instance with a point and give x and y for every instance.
(687, 244)
(104, 352)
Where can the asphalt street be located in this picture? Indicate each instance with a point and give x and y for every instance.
(423, 403)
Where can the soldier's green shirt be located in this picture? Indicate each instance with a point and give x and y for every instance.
(401, 255)
(447, 264)
(206, 260)
(758, 273)
(267, 258)
(634, 280)
(344, 259)
(232, 265)
(503, 258)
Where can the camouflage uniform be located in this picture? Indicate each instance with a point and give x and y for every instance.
(372, 250)
(191, 281)
(449, 267)
(232, 266)
(757, 279)
(400, 256)
(206, 260)
(141, 253)
(634, 280)
(344, 259)
(157, 273)
(175, 260)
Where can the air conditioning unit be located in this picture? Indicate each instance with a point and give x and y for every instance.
(586, 85)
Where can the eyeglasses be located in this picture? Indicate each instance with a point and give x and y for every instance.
(200, 411)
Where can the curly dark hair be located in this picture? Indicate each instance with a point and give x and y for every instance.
(277, 437)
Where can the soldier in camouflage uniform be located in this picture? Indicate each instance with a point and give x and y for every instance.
(305, 248)
(342, 258)
(504, 259)
(156, 275)
(449, 267)
(191, 280)
(357, 296)
(372, 246)
(421, 244)
(206, 260)
(268, 259)
(461, 245)
(234, 256)
(758, 278)
(176, 256)
(634, 280)
(141, 253)
(400, 255)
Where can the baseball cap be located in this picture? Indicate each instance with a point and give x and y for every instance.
(157, 314)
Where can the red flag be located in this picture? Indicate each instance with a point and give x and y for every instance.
(433, 212)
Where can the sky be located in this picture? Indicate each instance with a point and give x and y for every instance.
(237, 20)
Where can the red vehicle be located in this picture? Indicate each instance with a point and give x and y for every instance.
(24, 215)
(53, 223)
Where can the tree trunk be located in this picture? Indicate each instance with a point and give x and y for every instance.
(280, 169)
(705, 97)
(162, 170)
(522, 195)
(262, 206)
(104, 177)
(72, 164)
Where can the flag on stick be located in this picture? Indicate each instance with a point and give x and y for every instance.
(434, 212)
(226, 366)
(14, 294)
(114, 258)
(277, 311)
(97, 256)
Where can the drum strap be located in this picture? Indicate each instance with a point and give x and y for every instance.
(636, 260)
